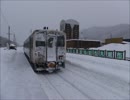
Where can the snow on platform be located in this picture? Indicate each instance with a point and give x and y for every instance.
(118, 47)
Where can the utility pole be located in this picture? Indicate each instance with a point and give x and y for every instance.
(9, 35)
(14, 40)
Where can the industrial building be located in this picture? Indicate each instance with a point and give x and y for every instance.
(114, 40)
(80, 43)
(71, 28)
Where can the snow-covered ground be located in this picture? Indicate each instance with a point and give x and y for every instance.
(85, 77)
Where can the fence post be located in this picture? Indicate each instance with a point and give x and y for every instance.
(98, 53)
(114, 54)
(83, 51)
(78, 51)
(92, 52)
(105, 54)
(124, 54)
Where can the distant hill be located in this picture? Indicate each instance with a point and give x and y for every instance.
(3, 41)
(101, 33)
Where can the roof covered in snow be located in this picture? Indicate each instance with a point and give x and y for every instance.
(82, 40)
(72, 22)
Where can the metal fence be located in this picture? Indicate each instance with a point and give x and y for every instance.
(120, 55)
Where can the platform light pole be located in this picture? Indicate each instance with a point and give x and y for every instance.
(9, 35)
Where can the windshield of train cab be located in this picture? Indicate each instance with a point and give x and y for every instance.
(60, 41)
(40, 43)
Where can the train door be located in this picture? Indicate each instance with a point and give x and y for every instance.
(51, 48)
(31, 48)
(61, 50)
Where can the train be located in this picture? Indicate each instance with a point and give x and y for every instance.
(45, 49)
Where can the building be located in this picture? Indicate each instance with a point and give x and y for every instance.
(80, 43)
(127, 40)
(114, 40)
(71, 28)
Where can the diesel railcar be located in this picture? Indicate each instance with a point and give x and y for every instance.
(46, 49)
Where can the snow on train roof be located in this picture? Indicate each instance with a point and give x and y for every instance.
(51, 31)
(56, 31)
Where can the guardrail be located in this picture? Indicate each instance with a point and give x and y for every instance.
(112, 54)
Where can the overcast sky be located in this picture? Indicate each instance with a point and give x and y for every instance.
(23, 16)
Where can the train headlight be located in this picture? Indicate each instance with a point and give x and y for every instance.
(51, 64)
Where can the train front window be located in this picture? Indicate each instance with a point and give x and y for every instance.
(50, 42)
(40, 43)
(60, 41)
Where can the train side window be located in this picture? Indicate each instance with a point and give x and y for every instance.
(31, 42)
(50, 42)
(43, 43)
(60, 41)
(40, 43)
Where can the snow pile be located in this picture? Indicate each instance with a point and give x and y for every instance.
(117, 47)
(112, 67)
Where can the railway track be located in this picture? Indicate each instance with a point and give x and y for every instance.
(113, 86)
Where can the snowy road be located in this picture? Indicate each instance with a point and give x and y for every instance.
(84, 77)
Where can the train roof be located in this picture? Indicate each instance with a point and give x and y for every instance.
(56, 31)
(49, 31)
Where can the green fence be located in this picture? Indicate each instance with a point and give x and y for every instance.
(110, 54)
(121, 55)
(102, 53)
(96, 53)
